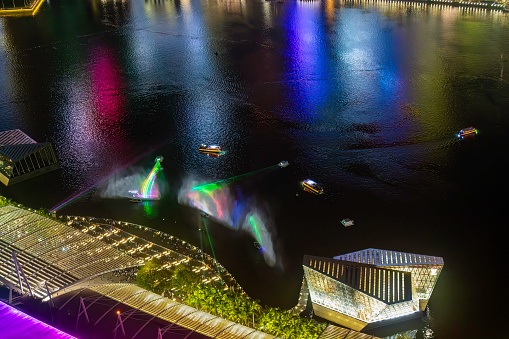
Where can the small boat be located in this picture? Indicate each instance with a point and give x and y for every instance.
(347, 222)
(311, 186)
(467, 132)
(211, 149)
(214, 155)
(283, 163)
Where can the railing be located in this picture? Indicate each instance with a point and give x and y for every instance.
(19, 7)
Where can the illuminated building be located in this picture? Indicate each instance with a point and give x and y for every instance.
(370, 288)
(23, 158)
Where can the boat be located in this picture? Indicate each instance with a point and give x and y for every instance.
(210, 149)
(347, 222)
(311, 186)
(467, 132)
(283, 163)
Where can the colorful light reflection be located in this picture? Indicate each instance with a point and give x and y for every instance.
(148, 188)
(235, 211)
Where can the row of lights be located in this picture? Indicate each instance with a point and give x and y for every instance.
(161, 234)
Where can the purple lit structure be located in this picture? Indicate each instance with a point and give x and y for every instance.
(16, 324)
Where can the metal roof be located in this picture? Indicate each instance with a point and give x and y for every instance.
(18, 152)
(390, 258)
(52, 252)
(15, 137)
(177, 313)
(362, 277)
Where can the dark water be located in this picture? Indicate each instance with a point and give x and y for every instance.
(364, 98)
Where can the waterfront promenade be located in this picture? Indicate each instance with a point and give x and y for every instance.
(84, 270)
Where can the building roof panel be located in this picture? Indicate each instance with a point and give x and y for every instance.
(379, 257)
(363, 277)
(20, 151)
(15, 137)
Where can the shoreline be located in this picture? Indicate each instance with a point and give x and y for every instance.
(492, 5)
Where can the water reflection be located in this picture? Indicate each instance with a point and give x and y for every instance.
(306, 64)
(92, 134)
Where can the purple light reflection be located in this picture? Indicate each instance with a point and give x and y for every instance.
(16, 324)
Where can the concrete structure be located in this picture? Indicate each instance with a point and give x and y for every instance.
(22, 158)
(370, 288)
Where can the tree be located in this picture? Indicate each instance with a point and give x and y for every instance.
(185, 280)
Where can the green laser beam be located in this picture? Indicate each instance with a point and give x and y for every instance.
(219, 184)
(212, 248)
(253, 223)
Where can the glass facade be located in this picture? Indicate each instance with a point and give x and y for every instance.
(424, 278)
(372, 285)
(341, 298)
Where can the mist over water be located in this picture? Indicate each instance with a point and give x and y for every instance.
(119, 185)
(233, 210)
